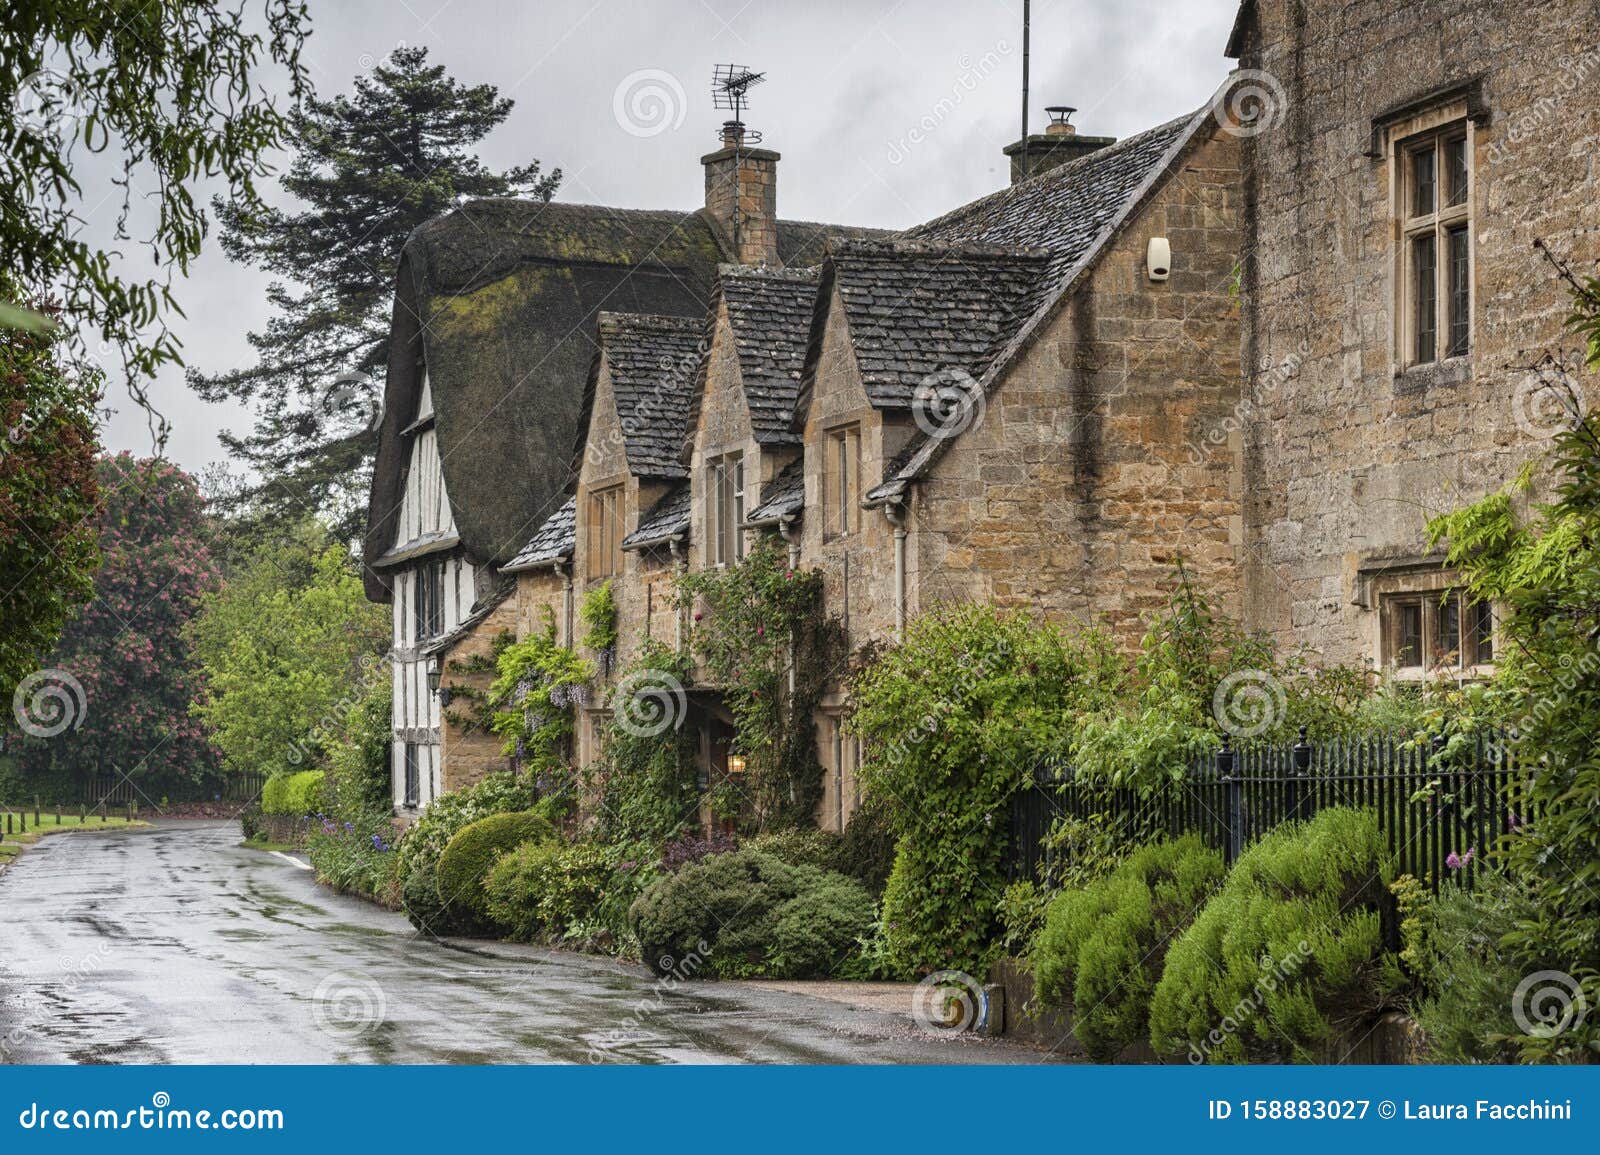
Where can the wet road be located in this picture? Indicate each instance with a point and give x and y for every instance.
(175, 945)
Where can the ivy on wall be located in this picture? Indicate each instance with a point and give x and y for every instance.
(768, 646)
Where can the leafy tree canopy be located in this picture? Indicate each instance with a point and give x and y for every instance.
(47, 496)
(81, 75)
(290, 646)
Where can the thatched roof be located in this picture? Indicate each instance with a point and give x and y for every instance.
(500, 298)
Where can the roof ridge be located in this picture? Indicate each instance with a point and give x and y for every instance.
(1056, 173)
(622, 318)
(804, 273)
(916, 246)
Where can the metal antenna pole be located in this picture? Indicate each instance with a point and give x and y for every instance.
(1027, 14)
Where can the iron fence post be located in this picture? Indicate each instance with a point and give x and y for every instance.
(1294, 792)
(1234, 808)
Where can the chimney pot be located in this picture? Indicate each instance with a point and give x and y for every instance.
(1056, 145)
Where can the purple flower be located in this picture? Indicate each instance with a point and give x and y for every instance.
(1456, 861)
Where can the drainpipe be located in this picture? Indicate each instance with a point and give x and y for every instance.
(791, 534)
(680, 562)
(565, 570)
(895, 511)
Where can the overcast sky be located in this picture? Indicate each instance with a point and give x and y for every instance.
(885, 113)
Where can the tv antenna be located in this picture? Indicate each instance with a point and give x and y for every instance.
(730, 88)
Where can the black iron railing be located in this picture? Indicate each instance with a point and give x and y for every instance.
(1441, 816)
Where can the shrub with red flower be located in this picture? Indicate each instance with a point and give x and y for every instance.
(127, 649)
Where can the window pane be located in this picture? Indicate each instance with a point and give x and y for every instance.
(1423, 180)
(1408, 634)
(1460, 292)
(1455, 166)
(1480, 637)
(1424, 274)
(1447, 651)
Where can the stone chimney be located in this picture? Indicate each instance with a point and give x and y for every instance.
(742, 194)
(1056, 145)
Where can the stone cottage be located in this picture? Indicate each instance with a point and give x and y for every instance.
(1270, 336)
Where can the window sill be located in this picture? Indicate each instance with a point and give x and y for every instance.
(1452, 371)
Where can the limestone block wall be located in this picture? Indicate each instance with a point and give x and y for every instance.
(1347, 452)
(1094, 465)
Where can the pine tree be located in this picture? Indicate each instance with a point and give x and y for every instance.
(368, 168)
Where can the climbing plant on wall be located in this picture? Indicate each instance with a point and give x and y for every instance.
(533, 702)
(767, 645)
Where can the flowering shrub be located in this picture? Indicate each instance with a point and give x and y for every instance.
(128, 649)
(534, 699)
(356, 858)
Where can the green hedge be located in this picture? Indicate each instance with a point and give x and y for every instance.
(293, 794)
(469, 855)
(571, 894)
(1102, 946)
(751, 914)
(420, 847)
(1287, 953)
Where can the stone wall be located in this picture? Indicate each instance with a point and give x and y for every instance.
(1091, 471)
(467, 754)
(1347, 452)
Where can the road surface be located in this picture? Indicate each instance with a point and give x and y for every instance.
(176, 945)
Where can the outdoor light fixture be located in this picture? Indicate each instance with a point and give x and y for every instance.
(735, 763)
(433, 679)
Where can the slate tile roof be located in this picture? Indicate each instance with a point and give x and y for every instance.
(770, 313)
(553, 541)
(1061, 213)
(653, 361)
(785, 494)
(667, 518)
(1063, 209)
(920, 309)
